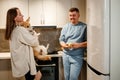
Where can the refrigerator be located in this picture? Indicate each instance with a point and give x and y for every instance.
(103, 31)
(98, 38)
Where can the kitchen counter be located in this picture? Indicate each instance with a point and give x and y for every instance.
(6, 55)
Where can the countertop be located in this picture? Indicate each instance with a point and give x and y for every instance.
(6, 55)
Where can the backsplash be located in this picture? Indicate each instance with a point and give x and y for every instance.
(4, 44)
(47, 36)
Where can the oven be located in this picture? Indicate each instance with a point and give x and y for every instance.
(49, 69)
(49, 35)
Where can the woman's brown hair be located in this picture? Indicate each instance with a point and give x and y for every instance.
(10, 22)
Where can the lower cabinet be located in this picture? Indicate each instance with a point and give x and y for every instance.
(6, 73)
(5, 70)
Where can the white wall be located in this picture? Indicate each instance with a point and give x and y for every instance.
(115, 40)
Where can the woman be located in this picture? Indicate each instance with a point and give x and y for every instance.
(21, 43)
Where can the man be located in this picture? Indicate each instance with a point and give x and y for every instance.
(73, 40)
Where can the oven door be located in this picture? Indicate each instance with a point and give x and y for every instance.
(49, 69)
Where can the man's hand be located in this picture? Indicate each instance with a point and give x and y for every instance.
(79, 45)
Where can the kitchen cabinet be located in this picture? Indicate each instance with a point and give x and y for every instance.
(54, 12)
(7, 4)
(43, 12)
(62, 12)
(49, 12)
(5, 70)
(35, 12)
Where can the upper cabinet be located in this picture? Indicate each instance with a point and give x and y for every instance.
(43, 12)
(62, 12)
(54, 12)
(7, 4)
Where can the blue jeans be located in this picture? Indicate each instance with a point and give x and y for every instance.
(72, 66)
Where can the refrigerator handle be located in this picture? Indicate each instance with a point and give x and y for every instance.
(97, 72)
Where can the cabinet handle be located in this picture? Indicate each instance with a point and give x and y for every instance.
(50, 65)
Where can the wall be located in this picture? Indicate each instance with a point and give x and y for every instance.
(115, 40)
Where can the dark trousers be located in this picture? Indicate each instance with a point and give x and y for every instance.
(28, 76)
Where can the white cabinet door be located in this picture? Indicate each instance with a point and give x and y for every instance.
(53, 12)
(35, 12)
(6, 4)
(62, 12)
(49, 7)
(42, 12)
(49, 12)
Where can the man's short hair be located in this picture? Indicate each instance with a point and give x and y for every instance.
(74, 9)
